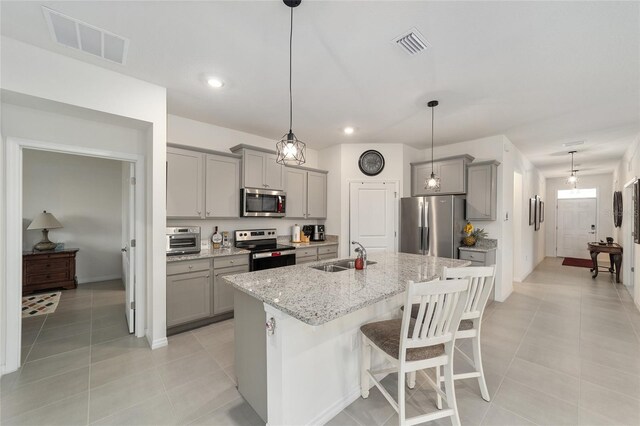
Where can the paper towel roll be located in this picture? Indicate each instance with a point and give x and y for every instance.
(295, 233)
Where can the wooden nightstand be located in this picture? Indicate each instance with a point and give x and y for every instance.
(44, 270)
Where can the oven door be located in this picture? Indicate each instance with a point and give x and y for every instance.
(263, 203)
(182, 243)
(276, 259)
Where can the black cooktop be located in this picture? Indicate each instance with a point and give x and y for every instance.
(262, 246)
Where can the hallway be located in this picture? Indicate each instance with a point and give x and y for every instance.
(563, 349)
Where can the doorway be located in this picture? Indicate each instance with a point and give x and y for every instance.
(628, 254)
(576, 222)
(372, 215)
(131, 168)
(518, 206)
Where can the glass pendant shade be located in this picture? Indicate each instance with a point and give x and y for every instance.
(573, 179)
(291, 150)
(433, 182)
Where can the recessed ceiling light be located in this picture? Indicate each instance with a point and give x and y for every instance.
(215, 82)
(348, 130)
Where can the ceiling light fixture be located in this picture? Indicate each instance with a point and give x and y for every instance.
(348, 130)
(216, 83)
(573, 178)
(433, 182)
(291, 150)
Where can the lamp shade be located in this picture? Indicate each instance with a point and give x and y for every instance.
(45, 221)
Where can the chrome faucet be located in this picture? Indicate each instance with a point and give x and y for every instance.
(363, 251)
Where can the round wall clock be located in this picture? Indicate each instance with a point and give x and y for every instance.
(371, 162)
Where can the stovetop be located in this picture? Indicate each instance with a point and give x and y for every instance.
(254, 240)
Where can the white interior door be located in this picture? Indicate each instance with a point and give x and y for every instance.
(628, 255)
(128, 235)
(576, 227)
(372, 215)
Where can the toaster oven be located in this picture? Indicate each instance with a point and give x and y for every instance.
(183, 240)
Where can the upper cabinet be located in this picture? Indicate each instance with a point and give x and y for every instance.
(202, 185)
(185, 183)
(306, 193)
(482, 190)
(260, 169)
(451, 171)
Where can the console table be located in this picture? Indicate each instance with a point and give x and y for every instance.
(44, 270)
(615, 256)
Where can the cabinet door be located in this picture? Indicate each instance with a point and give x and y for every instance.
(185, 180)
(419, 174)
(273, 176)
(223, 291)
(222, 187)
(253, 169)
(481, 192)
(296, 189)
(452, 173)
(188, 297)
(316, 195)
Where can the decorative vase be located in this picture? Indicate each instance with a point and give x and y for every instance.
(469, 241)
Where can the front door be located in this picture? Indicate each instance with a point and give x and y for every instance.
(576, 226)
(372, 215)
(128, 236)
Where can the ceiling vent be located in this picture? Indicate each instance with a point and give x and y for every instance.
(412, 42)
(79, 35)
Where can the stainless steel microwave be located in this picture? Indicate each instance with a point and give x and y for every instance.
(262, 203)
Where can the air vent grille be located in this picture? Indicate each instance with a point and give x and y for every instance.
(79, 35)
(412, 42)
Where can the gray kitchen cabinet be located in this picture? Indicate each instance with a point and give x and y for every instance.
(306, 255)
(222, 195)
(185, 180)
(223, 291)
(259, 168)
(327, 252)
(482, 190)
(306, 193)
(451, 171)
(479, 258)
(188, 297)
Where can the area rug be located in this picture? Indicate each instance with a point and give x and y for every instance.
(40, 304)
(581, 263)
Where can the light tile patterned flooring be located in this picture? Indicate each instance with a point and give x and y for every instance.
(563, 349)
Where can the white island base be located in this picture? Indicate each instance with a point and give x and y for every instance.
(301, 374)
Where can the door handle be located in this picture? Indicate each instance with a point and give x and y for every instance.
(124, 249)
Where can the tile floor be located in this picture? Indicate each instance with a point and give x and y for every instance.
(563, 349)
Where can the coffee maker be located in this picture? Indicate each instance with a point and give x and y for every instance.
(318, 233)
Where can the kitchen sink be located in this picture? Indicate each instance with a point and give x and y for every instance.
(343, 265)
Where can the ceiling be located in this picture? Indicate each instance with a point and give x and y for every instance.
(542, 73)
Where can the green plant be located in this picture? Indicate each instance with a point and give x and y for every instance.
(479, 233)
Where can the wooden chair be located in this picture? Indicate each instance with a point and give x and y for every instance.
(412, 344)
(481, 280)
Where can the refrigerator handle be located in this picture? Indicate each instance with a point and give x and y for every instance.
(425, 239)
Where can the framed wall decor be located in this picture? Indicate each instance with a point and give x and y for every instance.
(636, 212)
(537, 210)
(532, 211)
(541, 211)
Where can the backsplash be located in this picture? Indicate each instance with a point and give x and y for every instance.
(283, 226)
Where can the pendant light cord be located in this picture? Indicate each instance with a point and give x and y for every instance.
(290, 73)
(432, 140)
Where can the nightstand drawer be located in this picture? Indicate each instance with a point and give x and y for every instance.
(46, 266)
(473, 256)
(47, 278)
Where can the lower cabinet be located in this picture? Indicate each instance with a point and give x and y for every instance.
(313, 254)
(223, 291)
(188, 297)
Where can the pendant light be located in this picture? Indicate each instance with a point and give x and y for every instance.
(573, 178)
(291, 150)
(433, 182)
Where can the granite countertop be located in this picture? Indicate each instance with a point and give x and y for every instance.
(207, 253)
(484, 245)
(317, 297)
(331, 240)
(478, 249)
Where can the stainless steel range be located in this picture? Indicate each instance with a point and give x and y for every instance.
(266, 253)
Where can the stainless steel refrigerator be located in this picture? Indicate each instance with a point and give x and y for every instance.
(432, 225)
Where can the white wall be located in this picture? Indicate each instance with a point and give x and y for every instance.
(604, 226)
(85, 195)
(628, 169)
(33, 72)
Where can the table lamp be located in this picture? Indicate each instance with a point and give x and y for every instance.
(45, 221)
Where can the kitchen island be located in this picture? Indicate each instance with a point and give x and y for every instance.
(303, 368)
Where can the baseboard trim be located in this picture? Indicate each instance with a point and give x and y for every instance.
(158, 343)
(336, 408)
(98, 279)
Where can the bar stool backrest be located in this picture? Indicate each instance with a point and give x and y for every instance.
(481, 280)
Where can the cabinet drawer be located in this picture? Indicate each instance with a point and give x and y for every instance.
(47, 278)
(473, 256)
(306, 259)
(46, 266)
(306, 251)
(229, 261)
(327, 249)
(332, 255)
(188, 266)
